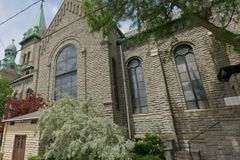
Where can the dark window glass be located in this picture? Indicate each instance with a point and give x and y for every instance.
(138, 93)
(189, 75)
(24, 58)
(29, 93)
(115, 85)
(66, 73)
(28, 56)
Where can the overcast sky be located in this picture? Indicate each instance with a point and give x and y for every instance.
(15, 28)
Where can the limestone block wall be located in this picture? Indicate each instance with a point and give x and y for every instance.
(23, 84)
(163, 117)
(223, 142)
(159, 118)
(119, 110)
(93, 69)
(20, 128)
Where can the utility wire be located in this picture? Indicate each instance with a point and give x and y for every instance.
(20, 12)
(78, 19)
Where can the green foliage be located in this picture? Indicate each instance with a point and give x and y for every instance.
(153, 18)
(33, 158)
(151, 146)
(5, 94)
(135, 156)
(72, 129)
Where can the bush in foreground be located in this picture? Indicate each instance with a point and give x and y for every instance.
(71, 129)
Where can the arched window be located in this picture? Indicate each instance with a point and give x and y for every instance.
(190, 78)
(115, 85)
(138, 93)
(66, 73)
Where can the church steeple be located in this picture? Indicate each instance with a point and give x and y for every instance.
(40, 20)
(37, 29)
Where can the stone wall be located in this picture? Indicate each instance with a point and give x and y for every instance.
(20, 128)
(223, 142)
(168, 114)
(159, 118)
(94, 79)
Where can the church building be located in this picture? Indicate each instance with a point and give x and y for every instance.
(184, 88)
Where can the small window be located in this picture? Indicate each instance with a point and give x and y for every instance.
(29, 93)
(12, 67)
(24, 59)
(190, 78)
(27, 72)
(15, 94)
(34, 121)
(138, 93)
(28, 56)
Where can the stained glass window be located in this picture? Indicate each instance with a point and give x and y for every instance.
(66, 73)
(192, 85)
(138, 93)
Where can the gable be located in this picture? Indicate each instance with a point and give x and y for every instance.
(67, 13)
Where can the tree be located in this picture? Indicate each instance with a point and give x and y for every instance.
(5, 94)
(71, 129)
(155, 17)
(16, 107)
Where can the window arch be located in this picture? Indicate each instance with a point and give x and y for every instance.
(66, 73)
(192, 85)
(138, 93)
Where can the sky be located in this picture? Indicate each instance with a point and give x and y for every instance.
(15, 28)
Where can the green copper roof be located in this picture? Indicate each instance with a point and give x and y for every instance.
(11, 47)
(11, 52)
(38, 27)
(40, 20)
(8, 63)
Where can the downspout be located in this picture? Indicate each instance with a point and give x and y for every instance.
(125, 92)
(168, 94)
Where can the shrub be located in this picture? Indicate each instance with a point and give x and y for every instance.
(151, 146)
(33, 158)
(135, 156)
(71, 129)
(16, 107)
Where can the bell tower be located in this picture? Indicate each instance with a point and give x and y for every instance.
(31, 37)
(8, 68)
